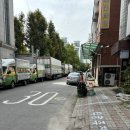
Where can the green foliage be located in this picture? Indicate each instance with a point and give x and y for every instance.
(84, 67)
(41, 35)
(72, 57)
(126, 81)
(19, 33)
(53, 40)
(55, 44)
(36, 31)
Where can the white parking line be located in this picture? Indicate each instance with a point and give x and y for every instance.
(45, 102)
(36, 99)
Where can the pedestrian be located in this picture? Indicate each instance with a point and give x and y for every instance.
(81, 88)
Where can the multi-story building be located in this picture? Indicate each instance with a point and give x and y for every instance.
(123, 19)
(77, 47)
(7, 43)
(105, 32)
(122, 47)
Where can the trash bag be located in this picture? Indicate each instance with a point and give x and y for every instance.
(82, 89)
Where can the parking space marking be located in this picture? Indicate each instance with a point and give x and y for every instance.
(45, 102)
(36, 99)
(26, 98)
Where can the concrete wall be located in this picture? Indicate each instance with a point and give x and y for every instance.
(6, 48)
(6, 53)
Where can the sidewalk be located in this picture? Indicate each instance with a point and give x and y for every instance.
(102, 111)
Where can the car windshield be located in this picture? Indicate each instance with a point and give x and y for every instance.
(74, 74)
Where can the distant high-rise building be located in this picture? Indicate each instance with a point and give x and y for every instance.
(77, 43)
(77, 47)
(7, 43)
(65, 40)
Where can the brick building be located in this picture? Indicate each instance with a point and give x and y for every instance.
(105, 32)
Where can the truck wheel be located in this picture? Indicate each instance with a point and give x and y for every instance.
(54, 77)
(12, 85)
(24, 82)
(35, 80)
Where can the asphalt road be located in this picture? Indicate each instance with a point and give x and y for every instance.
(41, 106)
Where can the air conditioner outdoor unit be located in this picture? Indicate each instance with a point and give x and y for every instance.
(109, 79)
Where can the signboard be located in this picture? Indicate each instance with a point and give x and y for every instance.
(124, 54)
(105, 14)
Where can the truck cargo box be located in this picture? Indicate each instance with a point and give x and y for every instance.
(22, 69)
(52, 67)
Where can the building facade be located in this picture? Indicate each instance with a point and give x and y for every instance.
(77, 47)
(7, 42)
(105, 32)
(122, 47)
(123, 19)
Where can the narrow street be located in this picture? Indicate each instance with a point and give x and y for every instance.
(39, 106)
(53, 105)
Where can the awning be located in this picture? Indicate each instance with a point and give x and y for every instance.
(120, 45)
(88, 49)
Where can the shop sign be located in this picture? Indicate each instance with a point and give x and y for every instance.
(105, 14)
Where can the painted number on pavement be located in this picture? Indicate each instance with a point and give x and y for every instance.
(33, 102)
(97, 118)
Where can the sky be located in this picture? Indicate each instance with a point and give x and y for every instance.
(71, 18)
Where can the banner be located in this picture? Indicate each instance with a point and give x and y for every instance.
(105, 14)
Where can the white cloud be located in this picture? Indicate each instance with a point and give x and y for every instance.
(72, 18)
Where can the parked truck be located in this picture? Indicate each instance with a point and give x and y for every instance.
(65, 69)
(37, 67)
(14, 71)
(70, 68)
(53, 69)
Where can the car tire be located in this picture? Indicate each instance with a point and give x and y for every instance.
(68, 83)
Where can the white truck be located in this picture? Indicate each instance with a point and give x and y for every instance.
(40, 69)
(14, 71)
(53, 68)
(70, 68)
(65, 69)
(37, 67)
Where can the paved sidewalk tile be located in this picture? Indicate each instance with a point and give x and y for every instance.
(101, 112)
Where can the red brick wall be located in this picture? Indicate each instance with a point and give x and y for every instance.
(111, 35)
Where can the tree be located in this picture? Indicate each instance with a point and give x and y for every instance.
(19, 33)
(72, 57)
(84, 67)
(53, 39)
(36, 31)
